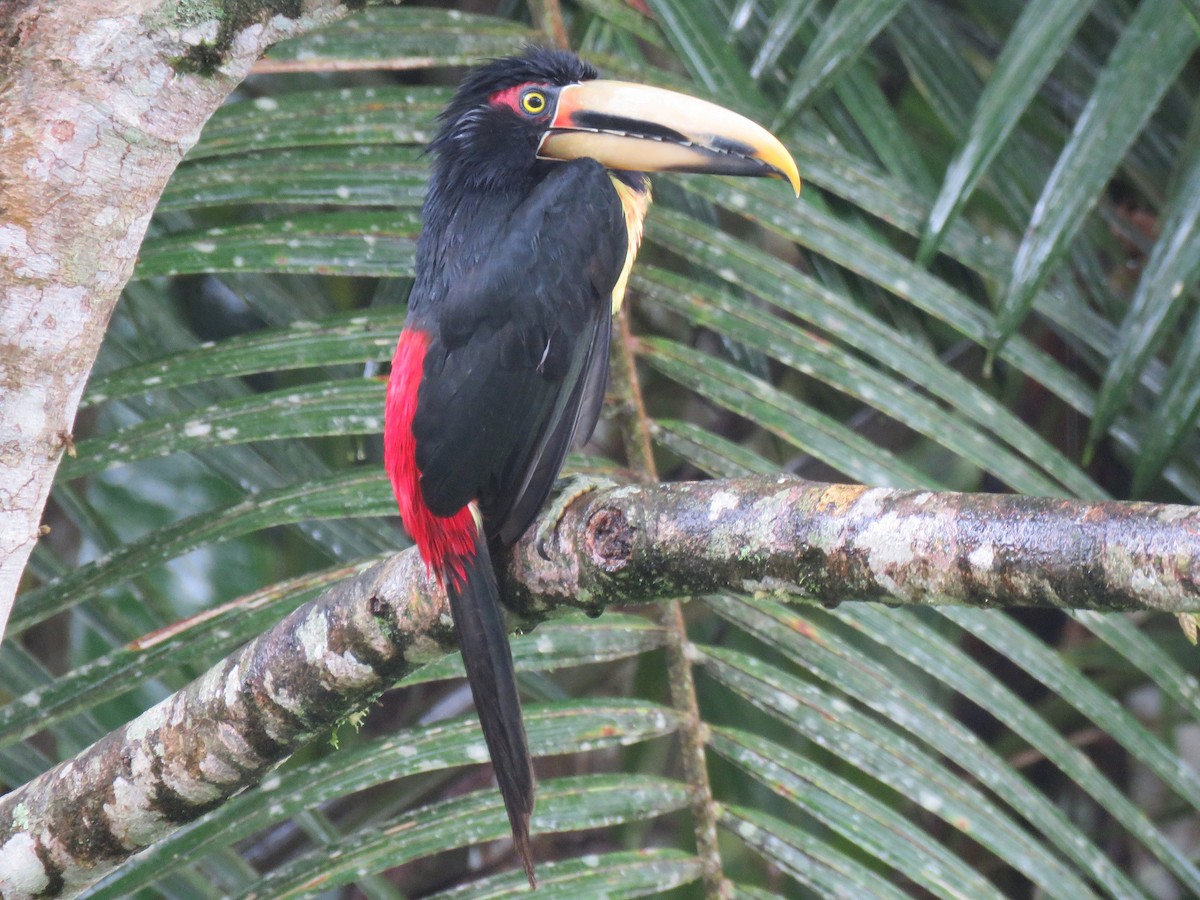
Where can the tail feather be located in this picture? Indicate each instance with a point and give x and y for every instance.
(475, 606)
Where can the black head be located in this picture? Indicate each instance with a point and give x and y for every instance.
(490, 130)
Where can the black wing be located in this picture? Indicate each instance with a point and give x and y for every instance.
(518, 354)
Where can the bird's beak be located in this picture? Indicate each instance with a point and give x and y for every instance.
(647, 129)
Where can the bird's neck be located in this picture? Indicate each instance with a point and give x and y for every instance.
(461, 223)
(633, 188)
(461, 196)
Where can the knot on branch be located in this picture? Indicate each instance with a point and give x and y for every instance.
(609, 539)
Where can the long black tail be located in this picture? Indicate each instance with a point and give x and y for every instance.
(475, 605)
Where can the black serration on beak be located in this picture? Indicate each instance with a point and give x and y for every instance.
(610, 124)
(720, 144)
(716, 154)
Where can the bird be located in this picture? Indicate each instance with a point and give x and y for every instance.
(533, 216)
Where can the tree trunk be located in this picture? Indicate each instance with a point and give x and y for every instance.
(99, 101)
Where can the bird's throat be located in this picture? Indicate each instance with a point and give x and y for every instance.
(635, 200)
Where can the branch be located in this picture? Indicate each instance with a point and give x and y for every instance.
(68, 827)
(99, 100)
(842, 542)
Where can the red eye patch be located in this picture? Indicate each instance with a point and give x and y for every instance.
(507, 97)
(511, 97)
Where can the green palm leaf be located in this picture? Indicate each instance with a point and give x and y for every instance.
(228, 464)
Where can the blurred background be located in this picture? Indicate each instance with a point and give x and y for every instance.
(988, 284)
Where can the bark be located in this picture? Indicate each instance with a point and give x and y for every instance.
(99, 101)
(200, 746)
(842, 542)
(331, 657)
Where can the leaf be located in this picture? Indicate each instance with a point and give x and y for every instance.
(853, 813)
(858, 329)
(906, 635)
(348, 117)
(624, 15)
(783, 28)
(207, 635)
(698, 34)
(1148, 57)
(1169, 277)
(878, 752)
(810, 431)
(25, 676)
(883, 134)
(849, 28)
(342, 407)
(645, 873)
(363, 491)
(404, 38)
(1175, 415)
(858, 673)
(1140, 650)
(811, 354)
(383, 175)
(804, 856)
(1040, 37)
(346, 338)
(359, 243)
(559, 644)
(477, 817)
(563, 804)
(710, 453)
(1086, 697)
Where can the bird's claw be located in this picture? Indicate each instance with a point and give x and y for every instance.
(567, 491)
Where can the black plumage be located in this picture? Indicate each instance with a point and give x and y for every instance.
(515, 280)
(516, 267)
(533, 216)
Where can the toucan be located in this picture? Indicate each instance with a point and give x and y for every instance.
(531, 222)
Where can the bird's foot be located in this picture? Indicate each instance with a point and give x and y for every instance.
(567, 491)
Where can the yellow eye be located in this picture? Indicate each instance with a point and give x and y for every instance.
(533, 102)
